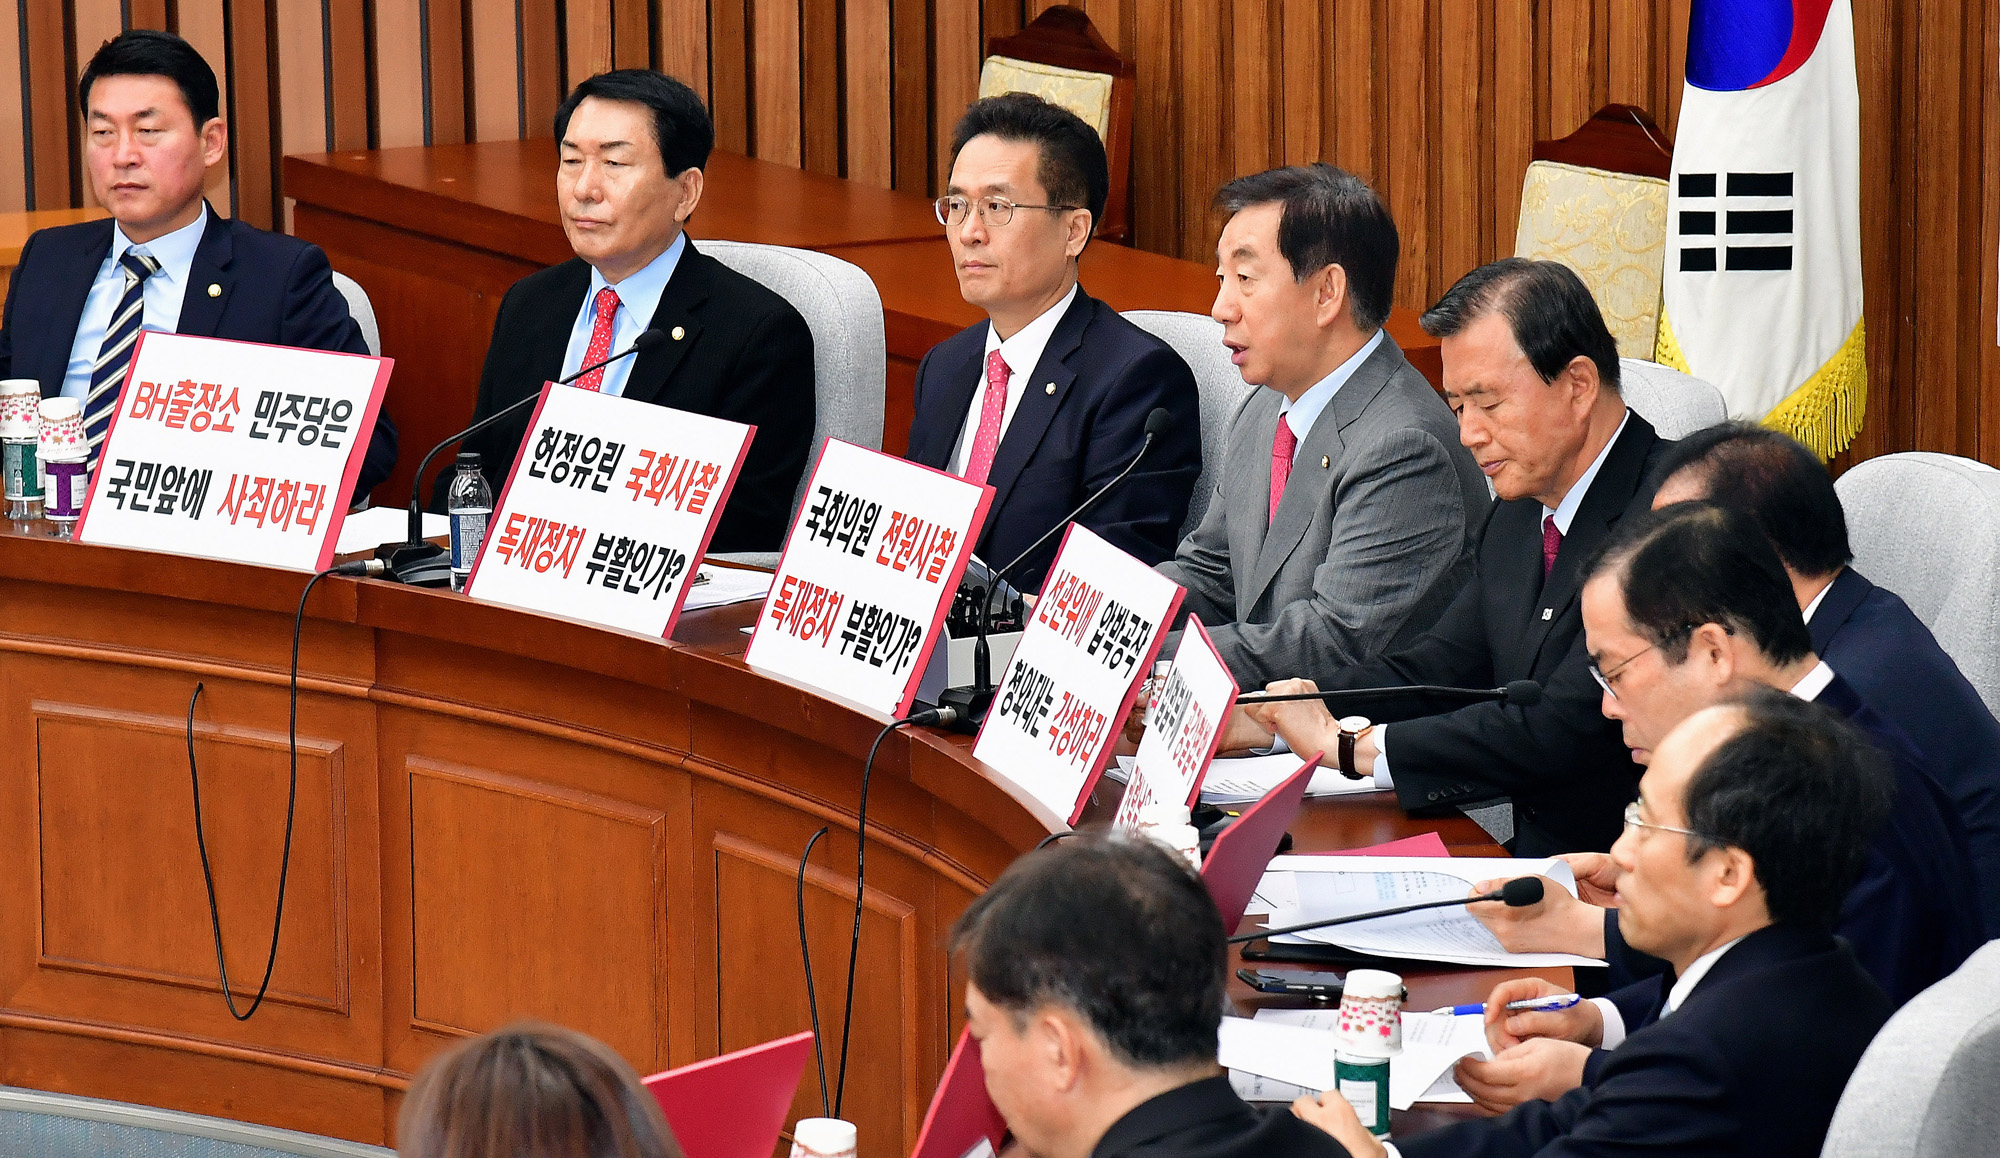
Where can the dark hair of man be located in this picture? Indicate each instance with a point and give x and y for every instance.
(532, 1089)
(1329, 216)
(1694, 563)
(1802, 792)
(1549, 309)
(681, 126)
(1113, 928)
(145, 52)
(1072, 168)
(1784, 486)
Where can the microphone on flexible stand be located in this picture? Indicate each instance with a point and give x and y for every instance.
(969, 702)
(424, 564)
(1521, 693)
(1518, 893)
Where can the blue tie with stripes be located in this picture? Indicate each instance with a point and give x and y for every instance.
(108, 373)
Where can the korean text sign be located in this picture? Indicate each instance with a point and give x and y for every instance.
(1183, 726)
(1063, 698)
(875, 553)
(234, 450)
(609, 510)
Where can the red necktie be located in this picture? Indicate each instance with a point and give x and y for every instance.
(1283, 444)
(600, 340)
(1552, 542)
(986, 439)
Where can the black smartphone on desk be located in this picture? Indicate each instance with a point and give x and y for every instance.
(1295, 982)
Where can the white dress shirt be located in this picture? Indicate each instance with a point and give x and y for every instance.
(1614, 1021)
(638, 298)
(160, 296)
(1301, 415)
(1023, 352)
(1818, 599)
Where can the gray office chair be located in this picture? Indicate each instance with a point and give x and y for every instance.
(1198, 340)
(1927, 526)
(38, 1125)
(1676, 404)
(361, 310)
(850, 349)
(1926, 1086)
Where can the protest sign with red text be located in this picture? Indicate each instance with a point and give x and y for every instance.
(1183, 727)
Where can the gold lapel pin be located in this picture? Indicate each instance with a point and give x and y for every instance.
(679, 333)
(214, 290)
(1049, 389)
(1325, 462)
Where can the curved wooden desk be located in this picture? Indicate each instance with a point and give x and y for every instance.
(499, 815)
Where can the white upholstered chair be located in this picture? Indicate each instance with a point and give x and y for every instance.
(1198, 340)
(1925, 1088)
(850, 355)
(360, 309)
(1927, 526)
(1676, 404)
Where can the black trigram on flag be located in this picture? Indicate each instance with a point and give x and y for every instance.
(1747, 234)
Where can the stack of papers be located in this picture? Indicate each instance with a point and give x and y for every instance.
(1286, 1053)
(1246, 779)
(716, 586)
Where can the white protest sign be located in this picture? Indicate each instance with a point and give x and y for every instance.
(1183, 727)
(234, 450)
(609, 510)
(1064, 696)
(869, 570)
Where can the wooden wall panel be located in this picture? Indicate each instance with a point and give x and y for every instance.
(1438, 102)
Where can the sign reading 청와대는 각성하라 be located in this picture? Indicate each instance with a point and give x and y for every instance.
(234, 450)
(609, 510)
(873, 558)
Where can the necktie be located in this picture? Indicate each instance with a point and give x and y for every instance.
(1283, 445)
(107, 375)
(1552, 542)
(986, 439)
(600, 340)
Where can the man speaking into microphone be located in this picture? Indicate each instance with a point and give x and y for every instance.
(632, 144)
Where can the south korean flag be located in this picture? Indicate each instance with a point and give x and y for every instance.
(1762, 292)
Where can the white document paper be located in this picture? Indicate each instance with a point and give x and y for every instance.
(1324, 887)
(718, 586)
(1432, 1045)
(1294, 1054)
(369, 529)
(1247, 779)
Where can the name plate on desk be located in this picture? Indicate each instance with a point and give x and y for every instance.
(234, 450)
(1183, 726)
(608, 511)
(868, 573)
(1061, 701)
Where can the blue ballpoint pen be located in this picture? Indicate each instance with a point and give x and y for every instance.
(1547, 1004)
(1462, 1010)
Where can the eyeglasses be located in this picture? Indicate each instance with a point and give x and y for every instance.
(1632, 819)
(1604, 678)
(992, 210)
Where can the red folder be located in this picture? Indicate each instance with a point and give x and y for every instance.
(733, 1106)
(1237, 859)
(1422, 844)
(961, 1115)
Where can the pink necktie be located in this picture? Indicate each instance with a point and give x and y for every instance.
(600, 340)
(1283, 444)
(1552, 542)
(986, 439)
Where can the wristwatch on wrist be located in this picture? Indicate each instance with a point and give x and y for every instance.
(1352, 728)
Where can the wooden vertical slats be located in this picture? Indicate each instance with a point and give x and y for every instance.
(13, 137)
(1157, 192)
(631, 34)
(347, 42)
(1351, 86)
(1571, 36)
(1513, 117)
(1247, 130)
(1301, 110)
(203, 26)
(1406, 173)
(1205, 161)
(542, 87)
(450, 112)
(50, 99)
(1629, 30)
(728, 60)
(587, 37)
(301, 76)
(869, 95)
(494, 63)
(255, 160)
(682, 49)
(819, 86)
(958, 46)
(398, 69)
(1462, 231)
(148, 14)
(911, 103)
(774, 69)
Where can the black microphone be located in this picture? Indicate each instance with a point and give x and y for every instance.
(969, 702)
(424, 564)
(1521, 693)
(1518, 893)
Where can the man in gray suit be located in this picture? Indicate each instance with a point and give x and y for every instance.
(1345, 508)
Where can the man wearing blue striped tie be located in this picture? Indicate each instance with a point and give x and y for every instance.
(165, 261)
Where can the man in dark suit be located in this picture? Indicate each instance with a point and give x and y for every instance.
(1047, 400)
(1345, 509)
(632, 146)
(165, 261)
(1745, 1047)
(1095, 977)
(1532, 372)
(1866, 633)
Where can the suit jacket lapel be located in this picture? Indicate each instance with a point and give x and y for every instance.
(1039, 404)
(1603, 505)
(954, 381)
(1849, 588)
(680, 304)
(69, 285)
(201, 313)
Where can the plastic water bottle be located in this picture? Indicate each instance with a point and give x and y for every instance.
(470, 503)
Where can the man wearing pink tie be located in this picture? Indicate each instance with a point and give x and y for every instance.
(1048, 399)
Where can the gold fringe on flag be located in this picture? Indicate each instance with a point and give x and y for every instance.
(1825, 413)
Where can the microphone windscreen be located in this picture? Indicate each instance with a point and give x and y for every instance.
(1521, 892)
(1526, 693)
(649, 338)
(1158, 421)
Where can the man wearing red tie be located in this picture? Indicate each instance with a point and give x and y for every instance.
(632, 145)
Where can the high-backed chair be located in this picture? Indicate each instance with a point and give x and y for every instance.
(1927, 526)
(1596, 201)
(1676, 404)
(361, 310)
(1198, 340)
(1925, 1088)
(1061, 58)
(850, 352)
(38, 1125)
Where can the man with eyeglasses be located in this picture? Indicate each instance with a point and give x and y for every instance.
(1744, 1048)
(1047, 399)
(1687, 607)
